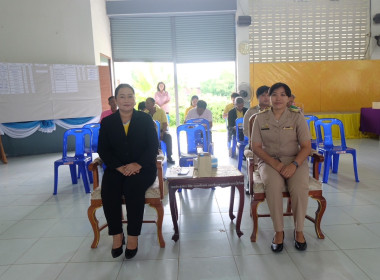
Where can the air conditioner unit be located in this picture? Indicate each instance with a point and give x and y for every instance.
(244, 21)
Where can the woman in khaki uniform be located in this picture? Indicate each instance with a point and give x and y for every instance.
(281, 140)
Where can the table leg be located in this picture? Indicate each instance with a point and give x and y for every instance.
(240, 211)
(3, 157)
(174, 212)
(232, 199)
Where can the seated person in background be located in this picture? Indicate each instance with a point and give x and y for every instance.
(193, 104)
(141, 106)
(281, 141)
(159, 115)
(200, 112)
(262, 96)
(291, 101)
(112, 103)
(237, 112)
(292, 105)
(231, 105)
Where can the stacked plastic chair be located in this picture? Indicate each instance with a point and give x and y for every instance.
(206, 124)
(310, 119)
(80, 159)
(196, 137)
(330, 151)
(240, 143)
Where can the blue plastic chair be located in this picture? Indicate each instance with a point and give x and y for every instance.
(193, 141)
(240, 144)
(163, 145)
(206, 124)
(309, 120)
(94, 127)
(80, 159)
(330, 151)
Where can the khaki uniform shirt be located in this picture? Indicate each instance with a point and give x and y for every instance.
(247, 116)
(281, 139)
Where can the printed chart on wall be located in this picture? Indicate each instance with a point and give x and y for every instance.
(30, 92)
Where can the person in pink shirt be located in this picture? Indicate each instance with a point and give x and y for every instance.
(112, 103)
(162, 97)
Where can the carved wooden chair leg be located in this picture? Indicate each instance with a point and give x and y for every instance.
(319, 214)
(160, 218)
(289, 206)
(94, 223)
(254, 205)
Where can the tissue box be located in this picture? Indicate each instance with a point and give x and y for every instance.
(375, 105)
(204, 165)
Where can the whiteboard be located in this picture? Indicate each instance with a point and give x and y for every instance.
(31, 92)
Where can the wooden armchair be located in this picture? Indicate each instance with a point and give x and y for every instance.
(153, 197)
(257, 190)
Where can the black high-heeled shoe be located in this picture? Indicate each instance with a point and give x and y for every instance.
(118, 251)
(299, 245)
(277, 248)
(130, 253)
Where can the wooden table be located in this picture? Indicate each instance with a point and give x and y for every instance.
(223, 176)
(3, 157)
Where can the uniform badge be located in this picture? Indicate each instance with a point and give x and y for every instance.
(265, 127)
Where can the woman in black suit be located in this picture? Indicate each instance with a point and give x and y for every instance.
(128, 146)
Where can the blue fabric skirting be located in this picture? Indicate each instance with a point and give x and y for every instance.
(25, 129)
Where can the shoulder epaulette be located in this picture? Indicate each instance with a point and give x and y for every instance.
(264, 110)
(294, 109)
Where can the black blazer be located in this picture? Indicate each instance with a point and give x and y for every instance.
(140, 145)
(232, 116)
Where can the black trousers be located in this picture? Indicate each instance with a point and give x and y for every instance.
(114, 185)
(167, 138)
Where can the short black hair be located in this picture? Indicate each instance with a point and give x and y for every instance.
(202, 104)
(239, 100)
(279, 85)
(261, 90)
(111, 97)
(151, 99)
(141, 106)
(123, 86)
(234, 95)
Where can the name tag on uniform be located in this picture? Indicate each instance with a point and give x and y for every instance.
(288, 127)
(265, 127)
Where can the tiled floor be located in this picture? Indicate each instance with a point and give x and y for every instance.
(48, 237)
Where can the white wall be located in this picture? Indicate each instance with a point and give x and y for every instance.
(242, 34)
(101, 29)
(46, 31)
(375, 30)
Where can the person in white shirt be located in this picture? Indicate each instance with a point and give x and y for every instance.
(201, 112)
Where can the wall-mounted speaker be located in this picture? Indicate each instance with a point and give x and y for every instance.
(244, 21)
(376, 18)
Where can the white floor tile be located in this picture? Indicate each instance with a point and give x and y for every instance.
(218, 268)
(367, 260)
(92, 270)
(352, 236)
(204, 244)
(326, 265)
(33, 271)
(149, 269)
(51, 250)
(269, 266)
